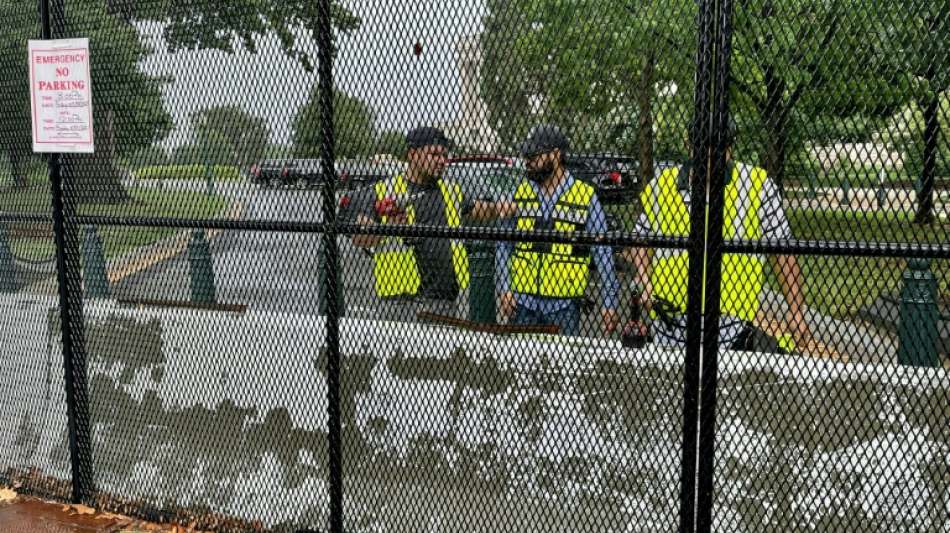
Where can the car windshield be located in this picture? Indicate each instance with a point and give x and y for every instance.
(487, 179)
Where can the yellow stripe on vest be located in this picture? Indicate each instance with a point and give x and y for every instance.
(395, 269)
(742, 274)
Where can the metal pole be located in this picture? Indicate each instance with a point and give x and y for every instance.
(331, 264)
(722, 28)
(917, 328)
(95, 273)
(481, 302)
(201, 268)
(69, 277)
(696, 252)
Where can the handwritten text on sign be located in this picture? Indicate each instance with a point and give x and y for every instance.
(61, 95)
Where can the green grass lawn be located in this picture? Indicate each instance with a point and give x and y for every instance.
(189, 172)
(840, 286)
(117, 239)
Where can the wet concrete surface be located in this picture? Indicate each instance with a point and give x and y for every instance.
(451, 431)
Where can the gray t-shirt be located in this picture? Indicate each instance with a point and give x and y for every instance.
(433, 256)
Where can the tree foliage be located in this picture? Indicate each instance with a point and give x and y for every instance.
(127, 103)
(353, 125)
(241, 136)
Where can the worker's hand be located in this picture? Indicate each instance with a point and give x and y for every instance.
(798, 327)
(611, 319)
(645, 299)
(397, 217)
(387, 207)
(505, 209)
(507, 305)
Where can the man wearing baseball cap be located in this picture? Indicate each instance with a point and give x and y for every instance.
(416, 274)
(544, 283)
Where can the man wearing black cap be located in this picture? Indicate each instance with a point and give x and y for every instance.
(416, 274)
(542, 283)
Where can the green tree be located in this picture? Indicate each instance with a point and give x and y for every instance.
(116, 50)
(238, 24)
(391, 142)
(606, 71)
(212, 149)
(808, 71)
(128, 112)
(244, 137)
(18, 26)
(915, 37)
(353, 124)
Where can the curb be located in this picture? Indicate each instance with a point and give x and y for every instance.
(142, 258)
(139, 259)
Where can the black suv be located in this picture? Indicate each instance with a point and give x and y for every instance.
(287, 173)
(613, 176)
(269, 172)
(356, 175)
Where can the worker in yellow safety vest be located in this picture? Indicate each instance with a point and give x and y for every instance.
(414, 274)
(544, 283)
(752, 210)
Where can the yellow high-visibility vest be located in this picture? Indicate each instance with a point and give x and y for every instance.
(554, 270)
(395, 268)
(742, 274)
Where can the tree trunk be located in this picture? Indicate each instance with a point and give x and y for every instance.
(97, 178)
(775, 116)
(17, 167)
(645, 119)
(925, 196)
(775, 147)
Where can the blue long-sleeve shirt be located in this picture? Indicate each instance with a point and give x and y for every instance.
(602, 255)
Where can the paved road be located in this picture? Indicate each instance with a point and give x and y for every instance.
(263, 270)
(270, 271)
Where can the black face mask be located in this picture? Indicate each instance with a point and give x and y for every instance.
(542, 173)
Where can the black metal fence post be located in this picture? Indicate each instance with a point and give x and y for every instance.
(699, 141)
(722, 43)
(331, 264)
(69, 277)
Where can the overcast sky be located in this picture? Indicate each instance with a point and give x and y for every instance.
(376, 63)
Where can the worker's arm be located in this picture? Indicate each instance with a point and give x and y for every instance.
(789, 274)
(642, 260)
(485, 210)
(604, 259)
(775, 227)
(366, 241)
(362, 211)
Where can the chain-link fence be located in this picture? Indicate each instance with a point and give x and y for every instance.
(482, 265)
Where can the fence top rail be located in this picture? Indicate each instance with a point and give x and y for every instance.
(494, 234)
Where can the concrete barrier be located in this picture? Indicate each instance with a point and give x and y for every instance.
(454, 431)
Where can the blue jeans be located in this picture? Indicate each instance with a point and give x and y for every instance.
(568, 319)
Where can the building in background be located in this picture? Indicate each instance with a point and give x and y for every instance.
(471, 129)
